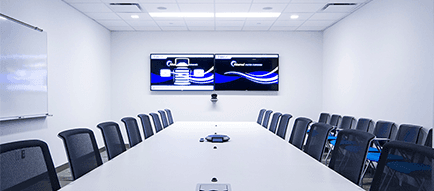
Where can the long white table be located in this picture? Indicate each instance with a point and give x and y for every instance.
(174, 159)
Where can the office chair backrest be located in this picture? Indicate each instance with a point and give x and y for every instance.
(324, 118)
(133, 132)
(299, 130)
(260, 116)
(365, 125)
(349, 153)
(347, 122)
(82, 150)
(334, 120)
(408, 133)
(404, 166)
(266, 118)
(169, 116)
(163, 118)
(157, 122)
(383, 129)
(428, 141)
(114, 143)
(316, 140)
(274, 121)
(283, 125)
(27, 165)
(146, 125)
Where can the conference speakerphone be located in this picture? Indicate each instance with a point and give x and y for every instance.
(216, 138)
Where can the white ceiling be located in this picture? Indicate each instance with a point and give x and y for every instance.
(312, 17)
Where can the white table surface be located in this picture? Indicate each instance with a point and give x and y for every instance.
(174, 159)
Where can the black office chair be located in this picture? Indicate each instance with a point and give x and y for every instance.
(324, 118)
(335, 120)
(404, 166)
(169, 116)
(428, 141)
(260, 116)
(133, 132)
(349, 153)
(163, 118)
(146, 125)
(27, 165)
(113, 140)
(408, 133)
(82, 150)
(283, 125)
(274, 121)
(317, 139)
(299, 130)
(266, 118)
(157, 122)
(365, 125)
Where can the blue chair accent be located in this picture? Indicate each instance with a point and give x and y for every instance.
(274, 121)
(114, 143)
(283, 125)
(133, 132)
(27, 165)
(298, 133)
(146, 125)
(82, 151)
(316, 140)
(411, 171)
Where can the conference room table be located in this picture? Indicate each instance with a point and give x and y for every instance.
(174, 159)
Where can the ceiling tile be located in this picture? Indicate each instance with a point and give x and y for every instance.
(170, 23)
(199, 23)
(230, 23)
(221, 8)
(142, 23)
(184, 28)
(142, 16)
(195, 1)
(82, 1)
(310, 1)
(311, 28)
(142, 28)
(282, 28)
(115, 23)
(103, 16)
(303, 8)
(339, 8)
(120, 1)
(271, 1)
(157, 1)
(229, 28)
(256, 28)
(288, 23)
(196, 7)
(258, 23)
(328, 16)
(120, 28)
(201, 28)
(91, 7)
(260, 7)
(232, 1)
(318, 23)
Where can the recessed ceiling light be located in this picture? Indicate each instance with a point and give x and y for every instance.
(267, 8)
(294, 16)
(161, 8)
(135, 16)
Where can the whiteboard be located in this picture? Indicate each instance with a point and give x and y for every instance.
(23, 71)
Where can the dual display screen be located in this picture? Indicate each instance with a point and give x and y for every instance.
(182, 72)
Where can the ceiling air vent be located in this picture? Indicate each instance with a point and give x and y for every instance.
(126, 7)
(339, 7)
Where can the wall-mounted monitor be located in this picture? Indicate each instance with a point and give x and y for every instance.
(246, 72)
(179, 72)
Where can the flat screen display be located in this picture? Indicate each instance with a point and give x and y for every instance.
(179, 72)
(246, 72)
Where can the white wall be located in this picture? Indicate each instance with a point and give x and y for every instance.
(379, 63)
(300, 75)
(78, 73)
